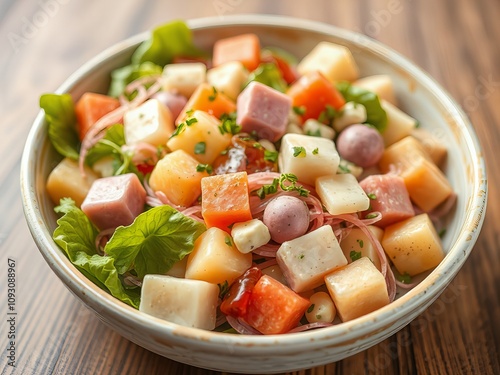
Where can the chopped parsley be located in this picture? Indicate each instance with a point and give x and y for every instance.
(180, 128)
(371, 216)
(310, 309)
(228, 241)
(223, 288)
(288, 182)
(360, 243)
(355, 255)
(405, 278)
(271, 156)
(315, 133)
(299, 152)
(328, 115)
(372, 196)
(267, 189)
(344, 169)
(299, 110)
(442, 232)
(191, 121)
(200, 148)
(315, 151)
(213, 96)
(204, 168)
(228, 124)
(189, 112)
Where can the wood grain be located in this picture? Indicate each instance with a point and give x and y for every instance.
(457, 42)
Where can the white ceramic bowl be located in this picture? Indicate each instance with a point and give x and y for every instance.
(418, 94)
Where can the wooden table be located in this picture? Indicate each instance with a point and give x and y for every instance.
(41, 43)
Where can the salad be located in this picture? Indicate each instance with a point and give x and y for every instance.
(244, 190)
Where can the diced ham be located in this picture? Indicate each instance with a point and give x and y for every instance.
(114, 201)
(264, 110)
(389, 196)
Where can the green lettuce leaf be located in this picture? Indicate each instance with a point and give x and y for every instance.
(270, 75)
(376, 115)
(76, 235)
(121, 77)
(61, 120)
(156, 240)
(110, 146)
(166, 42)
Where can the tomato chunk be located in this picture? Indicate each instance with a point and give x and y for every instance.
(90, 108)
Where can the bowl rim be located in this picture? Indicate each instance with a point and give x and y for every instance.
(428, 290)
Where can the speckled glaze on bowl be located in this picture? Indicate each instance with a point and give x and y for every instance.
(418, 95)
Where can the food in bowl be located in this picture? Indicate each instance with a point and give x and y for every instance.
(245, 186)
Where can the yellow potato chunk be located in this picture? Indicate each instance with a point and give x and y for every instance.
(200, 137)
(357, 244)
(175, 175)
(380, 84)
(215, 258)
(425, 182)
(357, 289)
(434, 146)
(65, 181)
(399, 124)
(413, 245)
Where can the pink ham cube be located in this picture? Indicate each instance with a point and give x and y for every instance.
(389, 196)
(114, 201)
(264, 110)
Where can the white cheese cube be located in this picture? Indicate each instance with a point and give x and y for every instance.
(320, 157)
(380, 84)
(341, 194)
(399, 124)
(151, 122)
(190, 303)
(228, 78)
(317, 129)
(334, 61)
(357, 289)
(351, 113)
(250, 235)
(305, 260)
(357, 244)
(183, 78)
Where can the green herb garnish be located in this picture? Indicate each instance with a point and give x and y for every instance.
(355, 255)
(299, 152)
(200, 148)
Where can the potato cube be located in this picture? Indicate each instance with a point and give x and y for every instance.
(215, 259)
(305, 260)
(425, 182)
(66, 181)
(434, 145)
(357, 245)
(357, 289)
(175, 175)
(200, 137)
(190, 303)
(413, 245)
(183, 78)
(341, 194)
(399, 124)
(250, 235)
(308, 157)
(228, 78)
(151, 122)
(380, 84)
(334, 61)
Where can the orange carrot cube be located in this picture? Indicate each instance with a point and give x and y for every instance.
(244, 48)
(90, 108)
(225, 200)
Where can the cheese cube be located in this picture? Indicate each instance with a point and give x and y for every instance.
(319, 157)
(413, 245)
(341, 194)
(399, 124)
(190, 303)
(183, 78)
(380, 84)
(228, 78)
(305, 260)
(357, 244)
(215, 259)
(200, 137)
(334, 61)
(250, 235)
(357, 289)
(317, 129)
(66, 181)
(151, 122)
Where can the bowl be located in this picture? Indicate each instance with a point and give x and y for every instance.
(418, 94)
